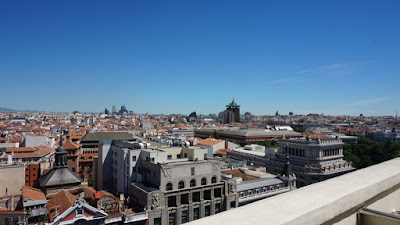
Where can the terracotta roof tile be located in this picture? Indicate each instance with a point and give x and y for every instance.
(60, 201)
(71, 145)
(22, 152)
(210, 142)
(32, 193)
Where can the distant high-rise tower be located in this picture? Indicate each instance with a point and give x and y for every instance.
(235, 109)
(123, 110)
(114, 109)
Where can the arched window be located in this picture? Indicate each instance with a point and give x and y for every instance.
(214, 179)
(169, 186)
(193, 183)
(181, 185)
(203, 181)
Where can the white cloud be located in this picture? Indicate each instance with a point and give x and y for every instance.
(370, 101)
(310, 71)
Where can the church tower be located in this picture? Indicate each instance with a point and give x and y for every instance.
(60, 176)
(287, 175)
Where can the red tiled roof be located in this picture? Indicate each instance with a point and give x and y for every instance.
(71, 145)
(10, 212)
(21, 152)
(315, 135)
(221, 151)
(60, 201)
(32, 193)
(19, 149)
(210, 142)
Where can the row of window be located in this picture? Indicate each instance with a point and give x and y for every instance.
(331, 152)
(196, 214)
(181, 184)
(184, 198)
(294, 151)
(257, 191)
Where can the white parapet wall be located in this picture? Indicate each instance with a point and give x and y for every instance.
(334, 201)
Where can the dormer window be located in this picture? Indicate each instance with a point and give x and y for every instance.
(78, 212)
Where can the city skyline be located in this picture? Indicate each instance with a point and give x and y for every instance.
(335, 58)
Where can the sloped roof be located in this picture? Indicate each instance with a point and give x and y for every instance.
(71, 145)
(59, 176)
(60, 201)
(22, 152)
(210, 142)
(32, 193)
(89, 213)
(248, 185)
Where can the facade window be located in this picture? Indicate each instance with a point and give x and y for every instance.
(169, 156)
(185, 199)
(203, 181)
(184, 216)
(217, 208)
(214, 179)
(207, 195)
(217, 192)
(169, 186)
(192, 183)
(172, 201)
(134, 158)
(207, 210)
(157, 221)
(196, 197)
(196, 213)
(181, 185)
(171, 219)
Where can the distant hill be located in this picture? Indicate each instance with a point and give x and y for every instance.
(3, 109)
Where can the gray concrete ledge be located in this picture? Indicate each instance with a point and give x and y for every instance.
(325, 202)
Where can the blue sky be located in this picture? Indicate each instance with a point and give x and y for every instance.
(331, 57)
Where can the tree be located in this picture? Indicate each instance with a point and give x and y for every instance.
(299, 129)
(368, 152)
(90, 181)
(269, 144)
(215, 135)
